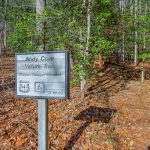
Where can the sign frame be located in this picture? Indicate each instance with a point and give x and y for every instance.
(67, 75)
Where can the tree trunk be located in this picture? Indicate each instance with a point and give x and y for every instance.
(131, 7)
(83, 76)
(140, 7)
(88, 26)
(144, 34)
(40, 7)
(71, 65)
(142, 72)
(132, 32)
(86, 50)
(136, 34)
(5, 29)
(122, 48)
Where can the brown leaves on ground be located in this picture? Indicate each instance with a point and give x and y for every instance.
(113, 116)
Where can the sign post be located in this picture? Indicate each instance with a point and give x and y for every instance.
(43, 124)
(42, 75)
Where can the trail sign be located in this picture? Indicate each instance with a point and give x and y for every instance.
(42, 75)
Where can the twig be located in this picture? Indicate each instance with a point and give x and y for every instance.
(18, 121)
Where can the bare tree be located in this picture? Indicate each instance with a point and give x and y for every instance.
(5, 29)
(122, 6)
(86, 50)
(136, 33)
(40, 7)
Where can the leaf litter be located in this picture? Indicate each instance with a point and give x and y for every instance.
(115, 114)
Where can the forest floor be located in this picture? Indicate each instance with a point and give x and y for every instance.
(115, 114)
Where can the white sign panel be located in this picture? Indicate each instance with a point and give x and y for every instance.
(42, 75)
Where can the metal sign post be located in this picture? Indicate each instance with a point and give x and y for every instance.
(42, 75)
(42, 124)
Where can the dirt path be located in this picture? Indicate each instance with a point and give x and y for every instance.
(134, 107)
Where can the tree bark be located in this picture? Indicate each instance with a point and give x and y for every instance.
(83, 76)
(136, 33)
(131, 7)
(142, 72)
(86, 50)
(123, 33)
(144, 34)
(5, 29)
(88, 26)
(40, 7)
(140, 7)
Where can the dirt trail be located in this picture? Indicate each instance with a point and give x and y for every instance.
(124, 92)
(134, 106)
